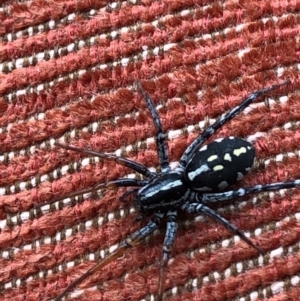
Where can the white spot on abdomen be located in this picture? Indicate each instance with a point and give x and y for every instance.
(218, 167)
(212, 158)
(202, 149)
(223, 185)
(239, 151)
(239, 176)
(227, 157)
(219, 140)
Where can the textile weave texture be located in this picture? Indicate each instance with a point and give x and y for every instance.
(67, 73)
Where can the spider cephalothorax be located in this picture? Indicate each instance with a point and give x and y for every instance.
(198, 181)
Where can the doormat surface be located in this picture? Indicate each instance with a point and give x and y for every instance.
(68, 74)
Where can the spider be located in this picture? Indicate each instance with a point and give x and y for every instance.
(197, 182)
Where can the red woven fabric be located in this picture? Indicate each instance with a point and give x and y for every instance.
(68, 73)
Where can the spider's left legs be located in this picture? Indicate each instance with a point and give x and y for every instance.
(208, 132)
(200, 208)
(171, 231)
(162, 148)
(108, 185)
(131, 241)
(122, 161)
(207, 198)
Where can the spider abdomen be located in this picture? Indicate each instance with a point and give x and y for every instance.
(219, 164)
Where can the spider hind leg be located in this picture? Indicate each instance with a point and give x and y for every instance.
(200, 208)
(131, 241)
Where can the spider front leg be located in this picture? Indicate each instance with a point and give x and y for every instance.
(109, 185)
(122, 161)
(208, 132)
(200, 208)
(162, 148)
(131, 241)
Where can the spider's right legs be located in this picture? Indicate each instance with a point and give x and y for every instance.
(131, 241)
(162, 148)
(200, 208)
(208, 198)
(208, 132)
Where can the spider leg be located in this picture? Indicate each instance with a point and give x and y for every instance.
(127, 193)
(122, 161)
(171, 231)
(162, 148)
(131, 241)
(200, 208)
(207, 198)
(108, 185)
(208, 132)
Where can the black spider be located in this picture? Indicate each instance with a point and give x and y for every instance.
(191, 186)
